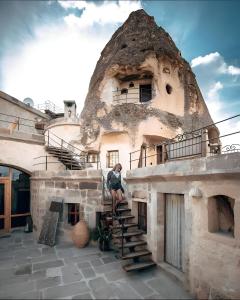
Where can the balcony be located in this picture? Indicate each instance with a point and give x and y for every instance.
(203, 142)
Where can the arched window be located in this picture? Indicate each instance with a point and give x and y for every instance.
(221, 215)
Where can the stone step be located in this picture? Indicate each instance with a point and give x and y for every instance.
(139, 266)
(120, 210)
(124, 218)
(136, 254)
(128, 225)
(128, 234)
(132, 244)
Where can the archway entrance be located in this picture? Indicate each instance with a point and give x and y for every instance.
(14, 198)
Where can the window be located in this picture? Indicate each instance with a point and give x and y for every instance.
(73, 213)
(142, 216)
(124, 91)
(92, 157)
(221, 215)
(169, 89)
(112, 158)
(145, 92)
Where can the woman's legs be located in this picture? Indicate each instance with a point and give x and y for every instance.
(120, 196)
(114, 195)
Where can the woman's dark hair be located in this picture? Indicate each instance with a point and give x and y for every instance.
(114, 168)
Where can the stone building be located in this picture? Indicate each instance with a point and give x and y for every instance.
(145, 110)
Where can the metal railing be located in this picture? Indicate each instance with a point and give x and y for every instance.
(48, 105)
(76, 156)
(133, 95)
(18, 123)
(205, 141)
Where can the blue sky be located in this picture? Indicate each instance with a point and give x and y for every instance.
(49, 49)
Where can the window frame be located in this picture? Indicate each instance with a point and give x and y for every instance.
(111, 162)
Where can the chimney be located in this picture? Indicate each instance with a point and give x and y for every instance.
(70, 109)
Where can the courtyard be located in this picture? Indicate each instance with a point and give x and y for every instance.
(29, 270)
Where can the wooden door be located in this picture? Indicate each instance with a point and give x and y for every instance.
(5, 216)
(174, 230)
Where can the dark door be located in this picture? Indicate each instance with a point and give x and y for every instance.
(159, 154)
(145, 92)
(4, 205)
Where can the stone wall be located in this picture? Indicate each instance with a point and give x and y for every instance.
(211, 259)
(78, 186)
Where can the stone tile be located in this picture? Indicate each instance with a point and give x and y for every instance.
(14, 280)
(44, 258)
(71, 274)
(140, 287)
(48, 250)
(83, 296)
(96, 262)
(10, 291)
(8, 263)
(38, 274)
(124, 291)
(64, 253)
(154, 296)
(98, 283)
(25, 269)
(48, 264)
(48, 282)
(88, 272)
(115, 275)
(31, 295)
(108, 259)
(53, 272)
(67, 290)
(168, 288)
(105, 293)
(108, 267)
(82, 258)
(83, 265)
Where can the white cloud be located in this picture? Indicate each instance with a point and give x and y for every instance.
(213, 75)
(205, 59)
(57, 65)
(108, 13)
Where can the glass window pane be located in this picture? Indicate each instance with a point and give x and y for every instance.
(4, 171)
(1, 223)
(2, 189)
(18, 221)
(20, 192)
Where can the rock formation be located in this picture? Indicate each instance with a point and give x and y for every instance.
(140, 49)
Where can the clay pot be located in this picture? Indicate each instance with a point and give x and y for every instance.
(80, 234)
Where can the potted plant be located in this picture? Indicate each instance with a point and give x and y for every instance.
(104, 238)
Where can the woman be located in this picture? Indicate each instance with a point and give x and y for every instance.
(114, 185)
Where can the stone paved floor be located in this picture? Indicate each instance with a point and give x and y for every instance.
(33, 271)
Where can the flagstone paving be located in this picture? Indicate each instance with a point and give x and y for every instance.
(29, 270)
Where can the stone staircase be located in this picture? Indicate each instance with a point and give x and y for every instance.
(68, 158)
(65, 152)
(127, 238)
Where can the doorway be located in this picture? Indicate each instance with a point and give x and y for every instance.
(14, 198)
(174, 230)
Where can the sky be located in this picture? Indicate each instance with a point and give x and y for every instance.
(49, 49)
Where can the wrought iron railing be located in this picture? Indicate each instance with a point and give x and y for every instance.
(17, 123)
(133, 95)
(48, 105)
(77, 156)
(205, 141)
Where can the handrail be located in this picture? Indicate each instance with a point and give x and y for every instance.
(181, 145)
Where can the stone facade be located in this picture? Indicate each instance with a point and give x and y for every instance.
(210, 259)
(83, 187)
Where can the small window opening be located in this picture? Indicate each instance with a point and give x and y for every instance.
(73, 213)
(142, 216)
(131, 84)
(124, 91)
(221, 215)
(145, 92)
(112, 158)
(169, 89)
(124, 46)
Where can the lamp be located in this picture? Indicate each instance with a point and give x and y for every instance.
(69, 113)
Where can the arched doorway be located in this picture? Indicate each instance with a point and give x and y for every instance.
(14, 198)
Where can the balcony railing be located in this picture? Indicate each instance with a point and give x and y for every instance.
(16, 123)
(204, 141)
(133, 95)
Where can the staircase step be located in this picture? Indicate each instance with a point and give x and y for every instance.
(128, 234)
(120, 210)
(136, 254)
(110, 203)
(129, 225)
(132, 244)
(139, 266)
(125, 217)
(56, 150)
